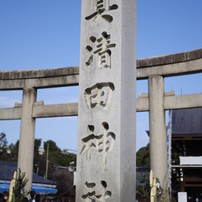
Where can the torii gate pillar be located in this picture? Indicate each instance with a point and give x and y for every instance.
(27, 133)
(157, 130)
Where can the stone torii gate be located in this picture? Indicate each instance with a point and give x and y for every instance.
(157, 101)
(154, 69)
(108, 73)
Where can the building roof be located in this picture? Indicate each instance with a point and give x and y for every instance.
(7, 170)
(187, 121)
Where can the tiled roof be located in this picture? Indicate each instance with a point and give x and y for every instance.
(7, 170)
(187, 121)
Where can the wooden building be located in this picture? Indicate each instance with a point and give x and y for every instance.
(187, 152)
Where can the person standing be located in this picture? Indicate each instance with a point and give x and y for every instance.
(4, 197)
(33, 196)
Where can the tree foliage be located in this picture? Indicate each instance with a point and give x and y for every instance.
(52, 146)
(56, 158)
(19, 188)
(64, 180)
(13, 151)
(3, 146)
(143, 189)
(143, 156)
(10, 153)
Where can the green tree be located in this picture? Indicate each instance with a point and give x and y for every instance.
(37, 144)
(64, 180)
(40, 164)
(143, 187)
(143, 156)
(19, 188)
(52, 146)
(37, 156)
(3, 147)
(13, 151)
(62, 158)
(55, 157)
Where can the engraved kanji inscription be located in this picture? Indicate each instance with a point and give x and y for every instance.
(101, 143)
(92, 196)
(101, 49)
(102, 8)
(99, 95)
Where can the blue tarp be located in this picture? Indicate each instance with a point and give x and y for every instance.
(37, 189)
(47, 190)
(4, 187)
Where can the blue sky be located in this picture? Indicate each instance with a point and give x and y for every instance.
(46, 34)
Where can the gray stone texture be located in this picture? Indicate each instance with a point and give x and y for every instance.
(157, 129)
(107, 93)
(27, 133)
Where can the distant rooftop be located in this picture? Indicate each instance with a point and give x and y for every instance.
(187, 121)
(7, 170)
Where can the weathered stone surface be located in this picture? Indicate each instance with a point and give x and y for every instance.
(116, 177)
(41, 73)
(10, 113)
(170, 59)
(157, 129)
(71, 109)
(107, 93)
(183, 101)
(45, 82)
(27, 134)
(168, 65)
(172, 102)
(58, 110)
(181, 68)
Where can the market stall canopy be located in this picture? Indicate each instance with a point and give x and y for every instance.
(37, 189)
(39, 184)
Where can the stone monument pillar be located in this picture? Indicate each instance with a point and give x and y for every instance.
(157, 130)
(106, 152)
(27, 133)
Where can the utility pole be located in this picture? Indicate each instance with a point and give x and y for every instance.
(47, 150)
